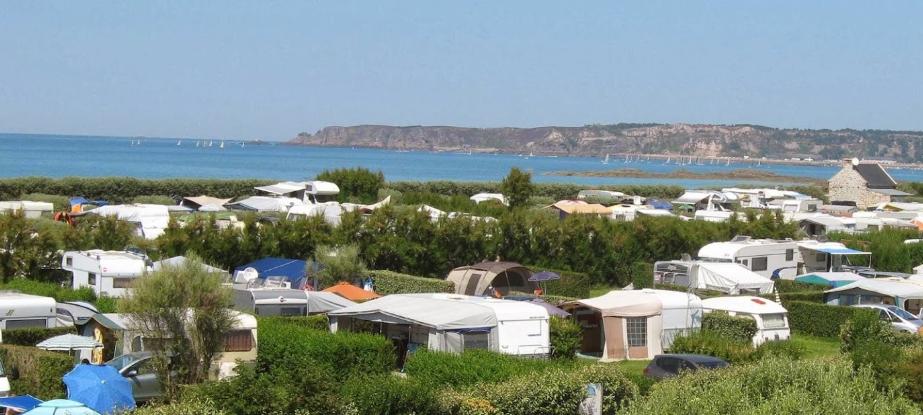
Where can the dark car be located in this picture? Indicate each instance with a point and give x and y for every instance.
(669, 365)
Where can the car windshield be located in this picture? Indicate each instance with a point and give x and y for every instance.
(712, 364)
(120, 362)
(902, 314)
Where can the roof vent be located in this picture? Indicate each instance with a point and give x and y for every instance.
(740, 238)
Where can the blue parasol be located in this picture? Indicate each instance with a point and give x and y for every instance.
(100, 387)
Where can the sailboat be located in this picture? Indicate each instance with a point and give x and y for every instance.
(729, 162)
(668, 160)
(222, 144)
(198, 143)
(606, 160)
(210, 142)
(241, 144)
(179, 142)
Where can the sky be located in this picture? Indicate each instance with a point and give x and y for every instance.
(271, 69)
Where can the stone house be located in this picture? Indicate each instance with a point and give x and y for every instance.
(864, 185)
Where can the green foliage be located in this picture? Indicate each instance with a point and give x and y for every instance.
(517, 187)
(788, 286)
(292, 345)
(338, 264)
(453, 203)
(49, 289)
(713, 344)
(96, 232)
(804, 296)
(741, 329)
(192, 406)
(316, 322)
(389, 282)
(566, 335)
(820, 319)
(571, 284)
(867, 327)
(774, 386)
(33, 336)
(34, 371)
(887, 248)
(188, 308)
(911, 370)
(470, 367)
(154, 200)
(389, 394)
(123, 189)
(642, 275)
(356, 184)
(24, 252)
(60, 203)
(555, 191)
(787, 349)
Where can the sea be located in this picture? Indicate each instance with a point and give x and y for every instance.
(154, 158)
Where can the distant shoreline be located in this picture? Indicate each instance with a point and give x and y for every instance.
(739, 174)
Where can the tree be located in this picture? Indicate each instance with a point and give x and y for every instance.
(186, 310)
(356, 184)
(517, 186)
(24, 250)
(338, 264)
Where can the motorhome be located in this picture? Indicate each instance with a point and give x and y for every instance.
(770, 317)
(818, 256)
(767, 257)
(20, 311)
(108, 273)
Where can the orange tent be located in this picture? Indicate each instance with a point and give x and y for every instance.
(351, 292)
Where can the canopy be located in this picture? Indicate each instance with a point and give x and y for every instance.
(75, 313)
(829, 279)
(441, 312)
(571, 207)
(889, 287)
(351, 292)
(266, 204)
(61, 407)
(205, 203)
(68, 342)
(20, 403)
(282, 188)
(74, 201)
(292, 270)
(837, 250)
(731, 278)
(100, 387)
(624, 303)
(659, 204)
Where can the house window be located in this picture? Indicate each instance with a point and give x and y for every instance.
(475, 340)
(789, 254)
(637, 331)
(91, 279)
(26, 324)
(122, 282)
(759, 264)
(238, 341)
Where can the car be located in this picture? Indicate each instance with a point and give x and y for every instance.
(668, 365)
(138, 367)
(899, 319)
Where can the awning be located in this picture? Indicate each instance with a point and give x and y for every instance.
(839, 251)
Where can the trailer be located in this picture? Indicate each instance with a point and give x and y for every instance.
(21, 311)
(767, 257)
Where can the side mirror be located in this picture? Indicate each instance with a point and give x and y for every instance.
(131, 373)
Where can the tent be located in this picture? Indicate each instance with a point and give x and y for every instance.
(453, 323)
(829, 279)
(265, 204)
(478, 279)
(659, 204)
(731, 278)
(330, 211)
(205, 203)
(634, 324)
(151, 220)
(291, 271)
(906, 294)
(351, 292)
(29, 209)
(483, 197)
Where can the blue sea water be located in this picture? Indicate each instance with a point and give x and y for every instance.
(62, 155)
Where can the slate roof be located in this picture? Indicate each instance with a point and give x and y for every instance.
(875, 176)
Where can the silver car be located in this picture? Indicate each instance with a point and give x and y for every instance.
(138, 368)
(898, 318)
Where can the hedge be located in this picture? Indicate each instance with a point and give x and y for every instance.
(820, 319)
(571, 284)
(315, 322)
(388, 394)
(49, 289)
(784, 286)
(124, 189)
(471, 367)
(805, 296)
(556, 191)
(565, 337)
(390, 282)
(33, 336)
(740, 329)
(34, 371)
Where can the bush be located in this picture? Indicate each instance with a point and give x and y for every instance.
(774, 386)
(389, 282)
(566, 335)
(468, 368)
(123, 189)
(820, 319)
(192, 406)
(784, 348)
(739, 329)
(59, 202)
(805, 296)
(642, 275)
(786, 286)
(33, 336)
(34, 371)
(571, 284)
(389, 394)
(911, 370)
(154, 200)
(316, 322)
(49, 289)
(356, 184)
(713, 344)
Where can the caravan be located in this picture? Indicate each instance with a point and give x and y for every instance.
(264, 302)
(766, 257)
(770, 317)
(730, 278)
(108, 273)
(21, 311)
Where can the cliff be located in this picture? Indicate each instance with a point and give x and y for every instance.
(705, 140)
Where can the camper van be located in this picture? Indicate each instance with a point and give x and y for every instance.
(771, 318)
(769, 258)
(21, 311)
(108, 273)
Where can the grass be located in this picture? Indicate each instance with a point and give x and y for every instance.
(599, 290)
(816, 346)
(633, 366)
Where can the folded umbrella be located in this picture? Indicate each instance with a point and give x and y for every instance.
(100, 387)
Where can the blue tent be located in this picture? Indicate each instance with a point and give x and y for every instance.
(291, 270)
(80, 200)
(659, 204)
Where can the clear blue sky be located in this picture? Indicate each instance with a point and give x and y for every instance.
(271, 69)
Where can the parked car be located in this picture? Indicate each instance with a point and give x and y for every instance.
(139, 369)
(669, 365)
(898, 318)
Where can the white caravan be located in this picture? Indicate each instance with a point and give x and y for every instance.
(725, 277)
(20, 311)
(766, 257)
(771, 318)
(108, 273)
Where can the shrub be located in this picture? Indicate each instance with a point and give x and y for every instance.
(805, 296)
(572, 283)
(154, 200)
(784, 348)
(389, 394)
(49, 289)
(59, 202)
(468, 368)
(33, 336)
(786, 286)
(820, 319)
(739, 329)
(339, 264)
(389, 282)
(642, 275)
(911, 370)
(316, 322)
(356, 184)
(566, 335)
(713, 344)
(774, 386)
(34, 371)
(123, 189)
(193, 406)
(557, 299)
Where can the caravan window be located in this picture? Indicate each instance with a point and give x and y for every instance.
(69, 261)
(760, 264)
(238, 341)
(789, 254)
(773, 321)
(122, 282)
(637, 331)
(91, 279)
(475, 340)
(26, 324)
(820, 257)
